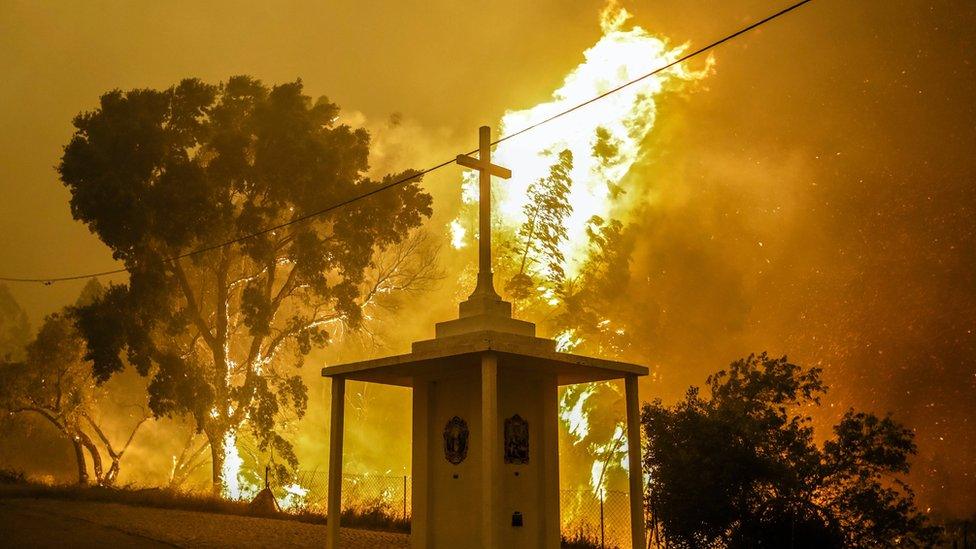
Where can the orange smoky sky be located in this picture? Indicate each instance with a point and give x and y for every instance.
(813, 196)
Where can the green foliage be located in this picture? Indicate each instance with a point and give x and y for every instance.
(593, 305)
(741, 468)
(606, 149)
(158, 173)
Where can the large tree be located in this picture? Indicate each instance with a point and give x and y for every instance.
(159, 173)
(740, 467)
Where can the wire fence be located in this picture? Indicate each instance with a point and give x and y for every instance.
(586, 520)
(363, 493)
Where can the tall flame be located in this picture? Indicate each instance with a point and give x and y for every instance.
(231, 468)
(605, 136)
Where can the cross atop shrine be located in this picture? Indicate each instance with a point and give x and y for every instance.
(484, 309)
(485, 418)
(485, 169)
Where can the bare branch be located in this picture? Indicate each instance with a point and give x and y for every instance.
(46, 414)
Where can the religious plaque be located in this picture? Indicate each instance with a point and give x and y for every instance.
(456, 440)
(516, 440)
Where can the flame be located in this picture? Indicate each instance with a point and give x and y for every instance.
(236, 484)
(295, 497)
(605, 137)
(458, 232)
(607, 456)
(566, 341)
(231, 468)
(572, 410)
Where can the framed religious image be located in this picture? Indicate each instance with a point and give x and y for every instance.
(456, 440)
(516, 440)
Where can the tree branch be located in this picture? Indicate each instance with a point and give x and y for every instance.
(46, 414)
(100, 433)
(191, 304)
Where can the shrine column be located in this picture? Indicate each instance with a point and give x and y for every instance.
(634, 463)
(550, 464)
(489, 448)
(419, 487)
(335, 462)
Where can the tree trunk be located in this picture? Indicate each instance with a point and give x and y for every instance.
(528, 241)
(113, 472)
(80, 460)
(96, 456)
(187, 463)
(217, 460)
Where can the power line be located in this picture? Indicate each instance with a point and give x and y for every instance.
(678, 61)
(415, 176)
(211, 247)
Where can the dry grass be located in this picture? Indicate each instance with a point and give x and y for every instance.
(375, 517)
(14, 485)
(579, 540)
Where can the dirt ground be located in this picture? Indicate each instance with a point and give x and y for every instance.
(55, 523)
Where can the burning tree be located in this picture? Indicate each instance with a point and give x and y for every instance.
(589, 298)
(159, 173)
(544, 230)
(56, 383)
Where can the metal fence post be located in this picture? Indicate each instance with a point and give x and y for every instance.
(603, 495)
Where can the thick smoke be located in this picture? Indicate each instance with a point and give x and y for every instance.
(814, 198)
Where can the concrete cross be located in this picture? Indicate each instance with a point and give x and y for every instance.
(486, 169)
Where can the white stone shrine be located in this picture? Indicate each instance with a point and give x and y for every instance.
(485, 457)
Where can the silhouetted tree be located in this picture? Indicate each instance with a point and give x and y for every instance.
(158, 173)
(91, 292)
(740, 468)
(539, 238)
(14, 327)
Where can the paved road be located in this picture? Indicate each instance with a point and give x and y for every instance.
(31, 527)
(54, 523)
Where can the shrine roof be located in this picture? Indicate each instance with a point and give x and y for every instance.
(514, 351)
